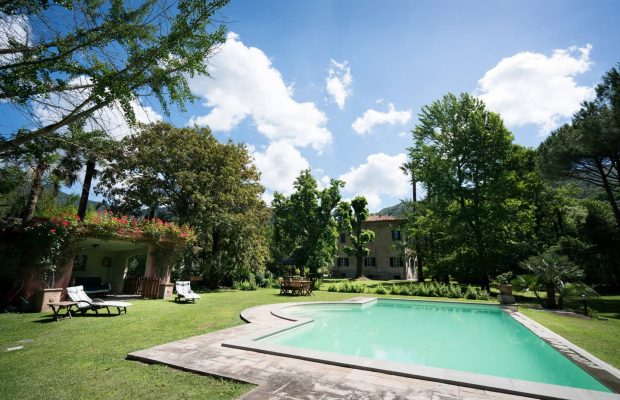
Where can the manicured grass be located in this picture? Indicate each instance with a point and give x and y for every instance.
(599, 337)
(85, 357)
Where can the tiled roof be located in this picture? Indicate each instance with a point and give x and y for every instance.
(377, 218)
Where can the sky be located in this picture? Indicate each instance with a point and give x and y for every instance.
(336, 86)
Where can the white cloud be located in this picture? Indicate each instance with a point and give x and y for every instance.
(16, 28)
(245, 84)
(531, 88)
(370, 118)
(338, 82)
(279, 164)
(110, 119)
(380, 175)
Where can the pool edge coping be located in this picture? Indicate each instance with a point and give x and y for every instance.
(454, 377)
(581, 357)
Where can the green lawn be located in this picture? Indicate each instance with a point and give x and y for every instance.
(599, 337)
(85, 357)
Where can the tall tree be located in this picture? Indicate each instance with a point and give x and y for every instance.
(12, 195)
(212, 187)
(75, 58)
(38, 158)
(588, 149)
(413, 245)
(464, 157)
(304, 225)
(83, 149)
(351, 217)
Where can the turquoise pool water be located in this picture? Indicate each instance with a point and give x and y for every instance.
(462, 337)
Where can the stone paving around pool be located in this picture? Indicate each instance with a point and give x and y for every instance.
(280, 378)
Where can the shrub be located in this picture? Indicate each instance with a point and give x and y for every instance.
(483, 295)
(471, 293)
(332, 288)
(380, 289)
(261, 280)
(426, 289)
(455, 291)
(348, 287)
(245, 285)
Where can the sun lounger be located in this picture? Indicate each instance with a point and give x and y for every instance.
(184, 292)
(85, 303)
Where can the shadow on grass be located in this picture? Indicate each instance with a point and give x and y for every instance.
(45, 319)
(182, 302)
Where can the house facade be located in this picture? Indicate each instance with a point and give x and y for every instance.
(386, 259)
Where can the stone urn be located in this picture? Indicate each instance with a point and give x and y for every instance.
(46, 296)
(505, 294)
(505, 288)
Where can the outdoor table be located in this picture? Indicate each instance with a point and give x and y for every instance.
(296, 287)
(59, 305)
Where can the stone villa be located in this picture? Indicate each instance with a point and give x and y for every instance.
(386, 259)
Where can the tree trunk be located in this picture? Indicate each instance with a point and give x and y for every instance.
(420, 266)
(560, 221)
(551, 296)
(35, 192)
(608, 191)
(486, 283)
(64, 278)
(359, 272)
(88, 178)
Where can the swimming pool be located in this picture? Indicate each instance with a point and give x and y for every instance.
(463, 337)
(344, 334)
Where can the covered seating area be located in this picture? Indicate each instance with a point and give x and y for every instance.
(296, 286)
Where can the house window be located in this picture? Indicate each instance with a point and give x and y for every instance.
(396, 262)
(342, 262)
(370, 262)
(396, 235)
(343, 237)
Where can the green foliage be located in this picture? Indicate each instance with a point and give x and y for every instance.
(50, 243)
(245, 285)
(303, 226)
(426, 289)
(212, 187)
(483, 294)
(12, 194)
(550, 272)
(473, 293)
(346, 287)
(588, 149)
(350, 218)
(504, 279)
(475, 222)
(380, 289)
(53, 239)
(104, 53)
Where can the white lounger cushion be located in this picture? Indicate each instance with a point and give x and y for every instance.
(184, 290)
(77, 294)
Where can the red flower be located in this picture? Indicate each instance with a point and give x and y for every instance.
(53, 230)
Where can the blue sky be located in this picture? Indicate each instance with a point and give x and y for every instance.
(532, 61)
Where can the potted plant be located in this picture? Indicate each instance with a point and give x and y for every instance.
(503, 282)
